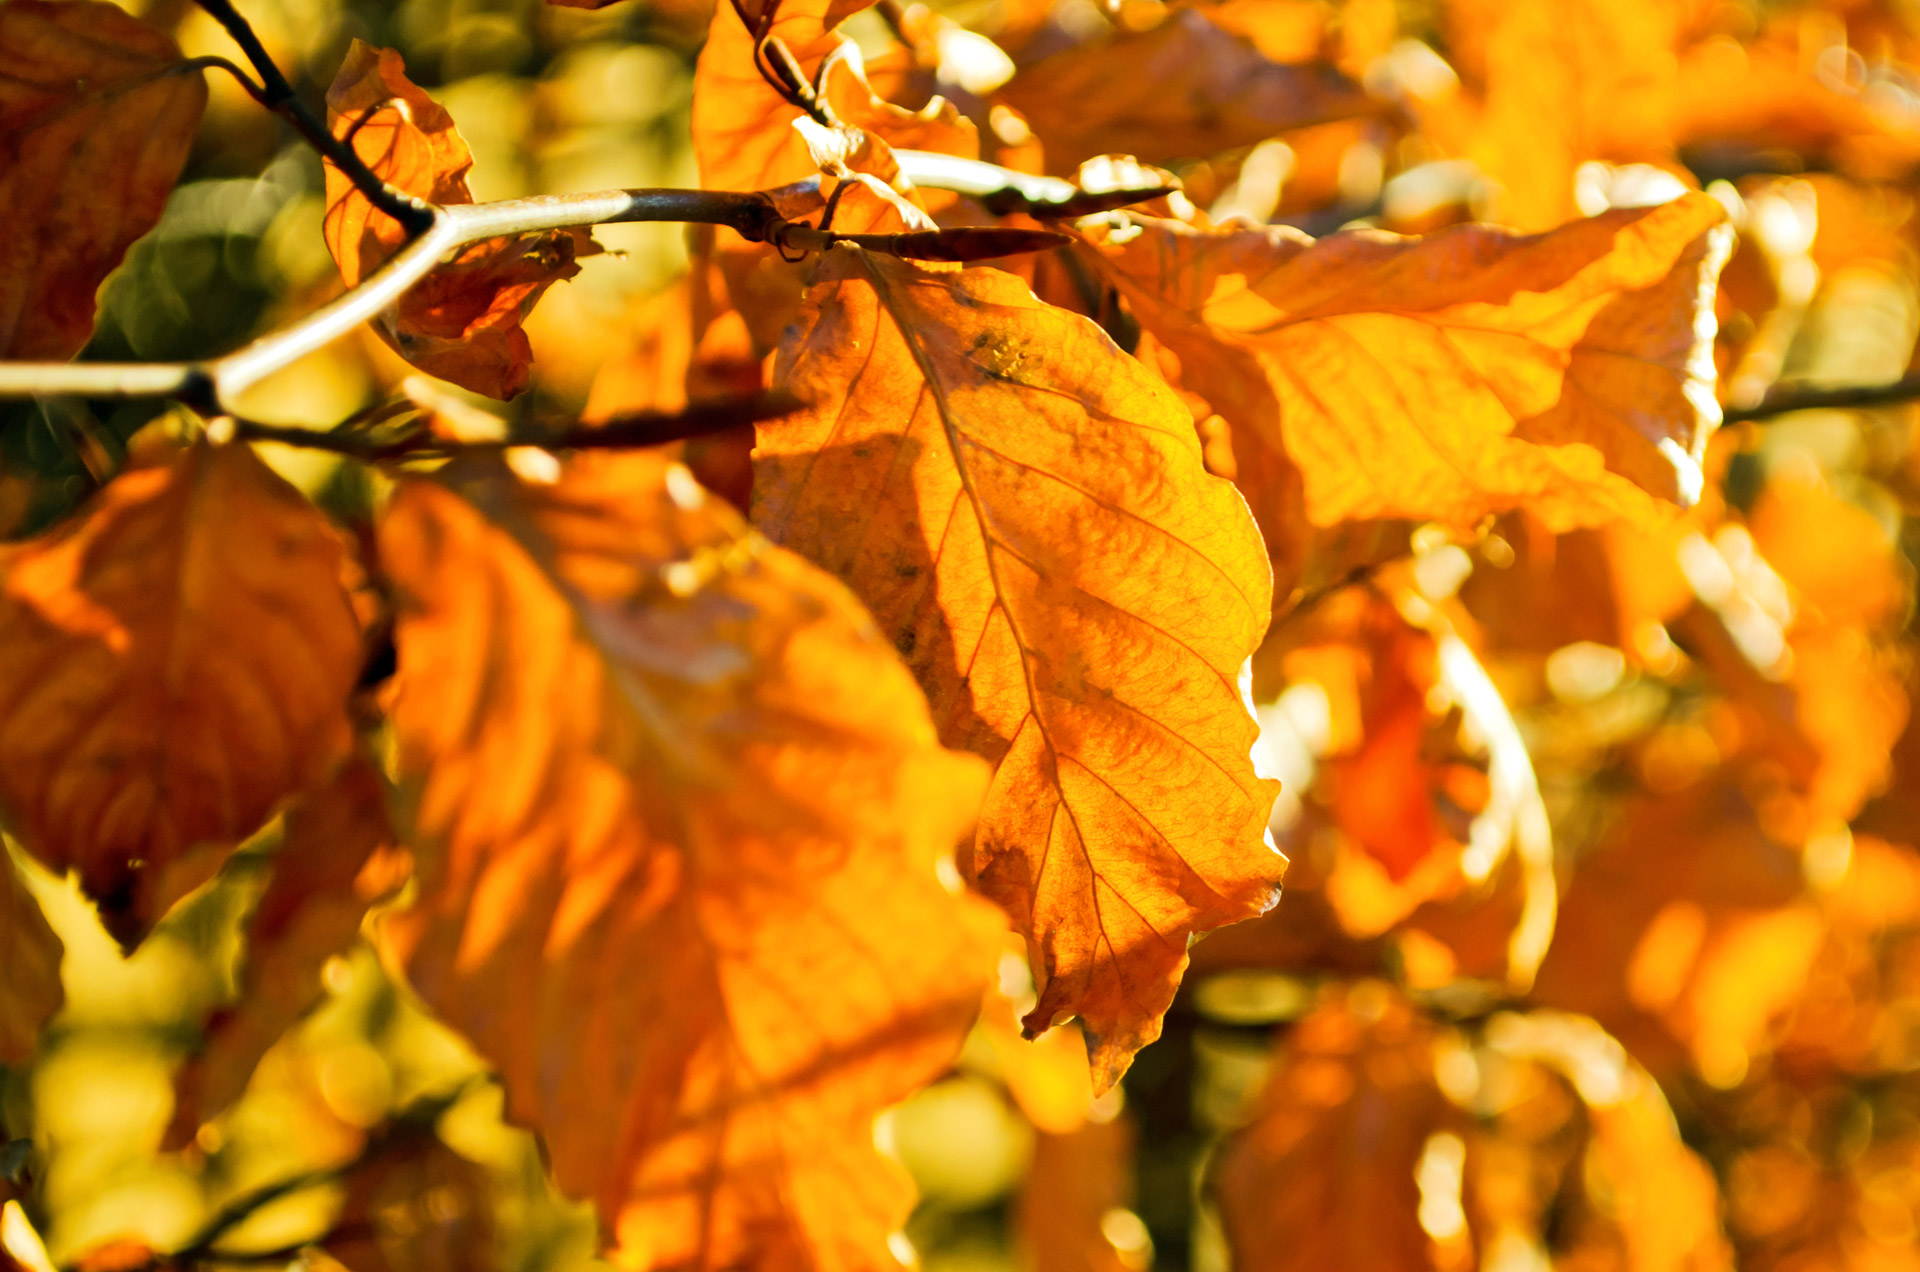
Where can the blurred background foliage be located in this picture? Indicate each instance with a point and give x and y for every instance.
(1715, 717)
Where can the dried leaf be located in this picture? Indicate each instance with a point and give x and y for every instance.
(1455, 375)
(1024, 509)
(742, 129)
(1184, 90)
(334, 862)
(463, 321)
(1323, 1175)
(30, 990)
(95, 123)
(178, 662)
(415, 1205)
(678, 807)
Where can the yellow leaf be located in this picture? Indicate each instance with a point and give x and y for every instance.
(1448, 377)
(177, 662)
(678, 810)
(1024, 509)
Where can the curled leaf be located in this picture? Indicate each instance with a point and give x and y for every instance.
(96, 118)
(463, 321)
(1024, 509)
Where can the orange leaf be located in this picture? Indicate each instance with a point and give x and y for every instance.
(178, 662)
(1073, 1206)
(1025, 510)
(1323, 1176)
(95, 125)
(679, 808)
(1184, 90)
(743, 135)
(463, 321)
(334, 862)
(1455, 375)
(30, 991)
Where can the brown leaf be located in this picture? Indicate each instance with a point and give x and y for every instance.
(463, 321)
(415, 1205)
(30, 990)
(1024, 509)
(95, 125)
(1450, 376)
(1323, 1175)
(1184, 90)
(178, 661)
(679, 808)
(334, 862)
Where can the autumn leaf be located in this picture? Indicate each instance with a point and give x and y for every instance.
(1448, 377)
(1323, 1174)
(742, 128)
(1024, 509)
(178, 662)
(96, 118)
(463, 321)
(1073, 1215)
(30, 991)
(334, 861)
(1185, 89)
(415, 1205)
(679, 808)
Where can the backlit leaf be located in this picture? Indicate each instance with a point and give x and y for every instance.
(1450, 376)
(415, 1205)
(96, 120)
(176, 663)
(1025, 510)
(30, 990)
(1323, 1175)
(679, 808)
(462, 322)
(1183, 90)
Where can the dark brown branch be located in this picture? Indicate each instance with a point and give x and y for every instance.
(623, 432)
(1782, 401)
(278, 96)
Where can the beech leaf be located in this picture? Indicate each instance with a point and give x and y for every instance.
(1185, 89)
(679, 809)
(1448, 377)
(463, 321)
(178, 662)
(1025, 510)
(96, 118)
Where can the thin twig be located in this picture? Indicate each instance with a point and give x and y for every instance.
(278, 96)
(622, 432)
(1782, 401)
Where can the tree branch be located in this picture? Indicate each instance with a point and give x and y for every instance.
(211, 385)
(1781, 401)
(278, 96)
